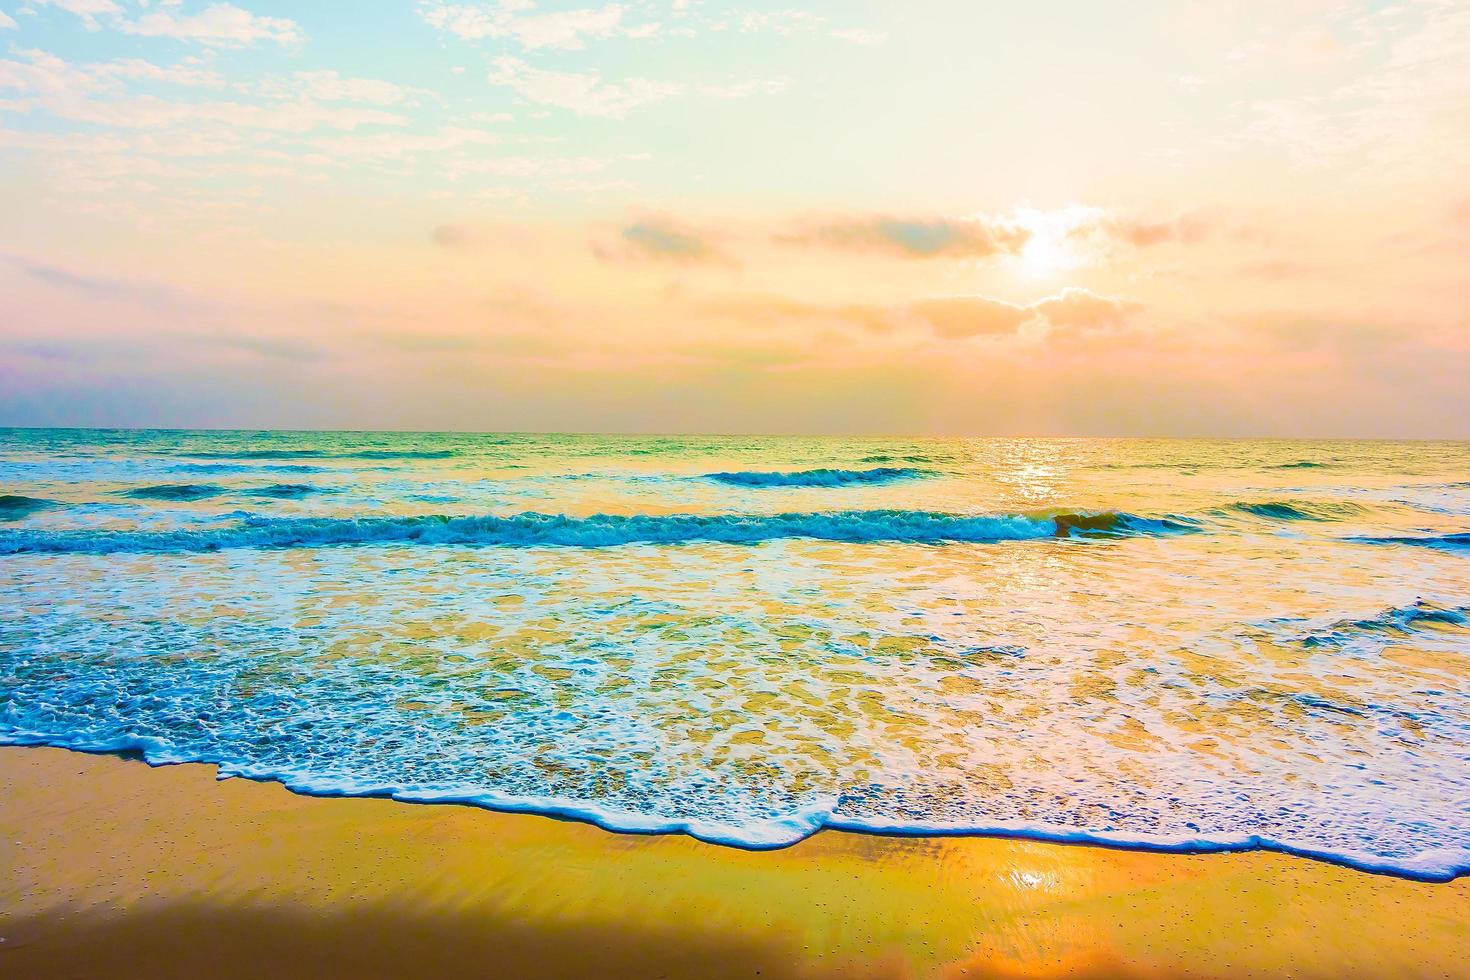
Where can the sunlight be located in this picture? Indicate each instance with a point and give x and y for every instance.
(1055, 244)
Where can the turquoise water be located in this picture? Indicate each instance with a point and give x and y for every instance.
(1186, 645)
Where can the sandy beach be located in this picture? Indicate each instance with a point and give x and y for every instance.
(113, 868)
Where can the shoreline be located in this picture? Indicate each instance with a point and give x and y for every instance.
(111, 867)
(593, 816)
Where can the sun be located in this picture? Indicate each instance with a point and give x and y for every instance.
(1044, 256)
(1053, 244)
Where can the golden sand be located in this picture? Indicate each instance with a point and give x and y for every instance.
(111, 868)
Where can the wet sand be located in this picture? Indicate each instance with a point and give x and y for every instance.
(111, 868)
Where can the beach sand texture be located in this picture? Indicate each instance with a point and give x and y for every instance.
(111, 868)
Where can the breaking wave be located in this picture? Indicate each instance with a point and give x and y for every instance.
(597, 531)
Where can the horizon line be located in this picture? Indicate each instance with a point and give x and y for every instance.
(656, 434)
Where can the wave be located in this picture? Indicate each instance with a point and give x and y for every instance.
(1440, 865)
(245, 468)
(1455, 541)
(818, 478)
(1280, 510)
(1395, 621)
(326, 454)
(175, 491)
(1300, 465)
(14, 506)
(284, 491)
(203, 491)
(597, 531)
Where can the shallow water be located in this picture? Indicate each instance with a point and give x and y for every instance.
(1174, 644)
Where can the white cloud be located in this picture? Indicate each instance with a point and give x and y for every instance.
(860, 36)
(6, 20)
(523, 167)
(517, 20)
(399, 146)
(329, 86)
(150, 112)
(219, 25)
(1405, 84)
(741, 90)
(775, 21)
(586, 94)
(181, 74)
(43, 73)
(87, 10)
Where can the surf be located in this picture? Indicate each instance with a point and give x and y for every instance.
(597, 531)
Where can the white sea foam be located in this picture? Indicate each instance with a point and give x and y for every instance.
(656, 651)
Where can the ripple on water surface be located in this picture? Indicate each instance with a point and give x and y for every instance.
(660, 650)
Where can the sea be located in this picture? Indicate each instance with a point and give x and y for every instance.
(1171, 645)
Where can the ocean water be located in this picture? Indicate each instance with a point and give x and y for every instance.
(1183, 645)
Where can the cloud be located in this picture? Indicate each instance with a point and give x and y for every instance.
(958, 317)
(764, 308)
(42, 73)
(1139, 232)
(529, 166)
(860, 36)
(330, 86)
(660, 238)
(87, 10)
(91, 284)
(566, 30)
(90, 94)
(150, 112)
(586, 94)
(400, 146)
(181, 74)
(775, 21)
(1071, 312)
(971, 238)
(741, 90)
(1402, 86)
(219, 25)
(6, 21)
(1082, 309)
(464, 237)
(455, 236)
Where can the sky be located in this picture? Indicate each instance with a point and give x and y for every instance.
(946, 217)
